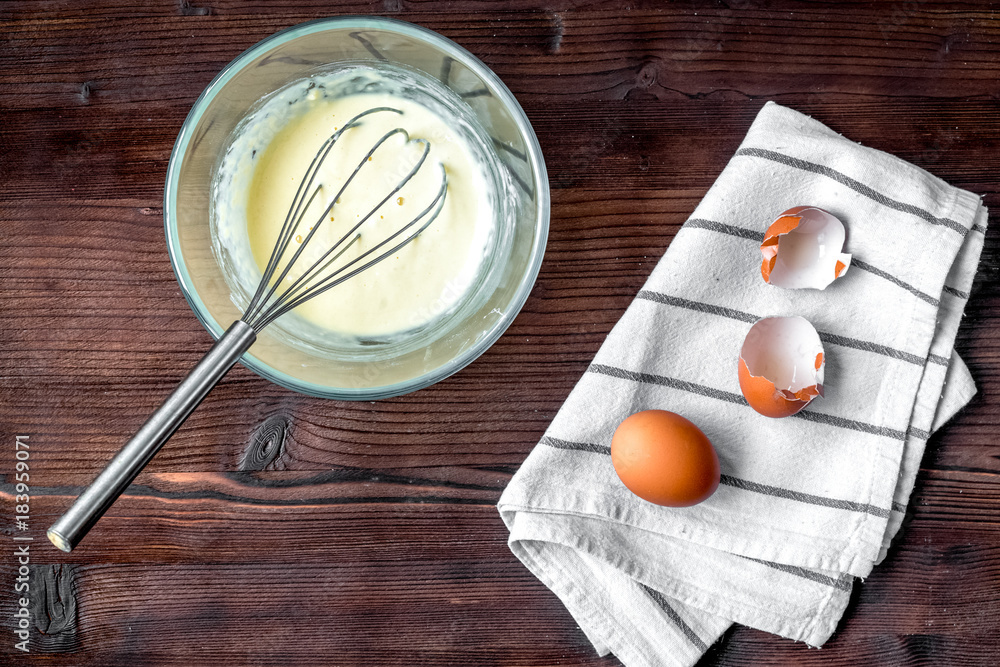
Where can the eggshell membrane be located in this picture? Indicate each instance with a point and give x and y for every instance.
(665, 459)
(802, 249)
(781, 366)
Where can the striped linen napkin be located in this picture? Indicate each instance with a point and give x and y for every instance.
(807, 503)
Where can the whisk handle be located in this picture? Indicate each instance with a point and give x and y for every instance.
(72, 526)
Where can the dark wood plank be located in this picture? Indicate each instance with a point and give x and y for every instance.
(351, 571)
(370, 528)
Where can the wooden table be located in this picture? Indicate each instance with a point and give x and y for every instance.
(280, 529)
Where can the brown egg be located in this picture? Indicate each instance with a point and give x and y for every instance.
(665, 459)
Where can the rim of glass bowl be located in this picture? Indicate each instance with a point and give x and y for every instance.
(449, 48)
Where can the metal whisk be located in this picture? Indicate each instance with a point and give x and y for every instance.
(270, 301)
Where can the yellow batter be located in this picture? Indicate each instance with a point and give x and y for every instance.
(417, 283)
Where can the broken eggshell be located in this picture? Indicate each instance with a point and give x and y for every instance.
(781, 366)
(802, 249)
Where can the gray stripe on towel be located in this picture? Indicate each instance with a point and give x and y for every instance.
(673, 383)
(874, 348)
(833, 420)
(956, 292)
(711, 392)
(662, 603)
(843, 583)
(722, 228)
(923, 296)
(700, 306)
(857, 186)
(751, 235)
(736, 482)
(843, 341)
(808, 498)
(576, 446)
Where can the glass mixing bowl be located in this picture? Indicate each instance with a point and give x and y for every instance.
(368, 371)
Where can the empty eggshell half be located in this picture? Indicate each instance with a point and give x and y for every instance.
(781, 366)
(802, 249)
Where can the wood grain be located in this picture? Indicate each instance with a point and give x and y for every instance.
(280, 529)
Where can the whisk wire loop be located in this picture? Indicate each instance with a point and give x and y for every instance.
(338, 276)
(262, 309)
(298, 207)
(302, 282)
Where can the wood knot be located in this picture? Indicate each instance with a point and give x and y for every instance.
(266, 444)
(392, 6)
(647, 74)
(949, 42)
(53, 609)
(558, 30)
(187, 9)
(86, 90)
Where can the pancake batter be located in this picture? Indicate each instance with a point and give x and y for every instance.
(415, 285)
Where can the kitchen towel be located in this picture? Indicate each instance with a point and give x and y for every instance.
(807, 503)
